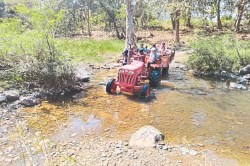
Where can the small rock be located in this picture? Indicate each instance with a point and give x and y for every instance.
(200, 145)
(161, 143)
(193, 152)
(106, 130)
(2, 98)
(102, 83)
(237, 86)
(159, 146)
(135, 157)
(118, 152)
(28, 102)
(73, 135)
(119, 144)
(247, 77)
(16, 158)
(126, 143)
(165, 147)
(242, 81)
(184, 151)
(106, 67)
(117, 65)
(245, 70)
(71, 152)
(224, 74)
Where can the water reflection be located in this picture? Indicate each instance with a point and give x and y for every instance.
(77, 126)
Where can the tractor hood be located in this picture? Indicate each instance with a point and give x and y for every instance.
(135, 65)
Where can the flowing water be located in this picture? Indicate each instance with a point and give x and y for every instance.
(186, 109)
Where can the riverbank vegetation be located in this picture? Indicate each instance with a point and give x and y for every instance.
(219, 53)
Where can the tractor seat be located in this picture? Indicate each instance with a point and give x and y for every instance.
(135, 65)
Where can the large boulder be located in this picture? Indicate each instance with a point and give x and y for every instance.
(11, 95)
(146, 136)
(245, 70)
(82, 75)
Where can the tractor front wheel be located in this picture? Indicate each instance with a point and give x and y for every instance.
(111, 86)
(155, 78)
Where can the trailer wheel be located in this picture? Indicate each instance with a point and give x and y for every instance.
(111, 86)
(145, 91)
(155, 78)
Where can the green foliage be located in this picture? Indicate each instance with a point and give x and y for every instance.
(49, 67)
(90, 50)
(219, 53)
(228, 21)
(154, 23)
(38, 18)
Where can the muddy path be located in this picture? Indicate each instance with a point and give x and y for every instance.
(199, 114)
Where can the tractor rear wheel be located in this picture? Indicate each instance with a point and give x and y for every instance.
(165, 71)
(111, 86)
(145, 91)
(155, 78)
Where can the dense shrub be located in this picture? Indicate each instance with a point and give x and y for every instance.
(219, 53)
(49, 68)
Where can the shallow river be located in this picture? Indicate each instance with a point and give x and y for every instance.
(186, 109)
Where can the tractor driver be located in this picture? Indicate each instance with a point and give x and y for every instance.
(141, 55)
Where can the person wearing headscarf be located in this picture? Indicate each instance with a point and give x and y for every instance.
(153, 55)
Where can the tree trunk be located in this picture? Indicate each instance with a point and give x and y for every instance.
(88, 17)
(188, 22)
(129, 24)
(173, 21)
(240, 11)
(2, 6)
(82, 21)
(129, 27)
(188, 18)
(219, 24)
(177, 27)
(116, 30)
(189, 15)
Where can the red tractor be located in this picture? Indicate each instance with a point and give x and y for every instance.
(131, 77)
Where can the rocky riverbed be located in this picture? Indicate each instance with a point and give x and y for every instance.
(93, 128)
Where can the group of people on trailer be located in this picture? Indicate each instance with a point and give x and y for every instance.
(142, 52)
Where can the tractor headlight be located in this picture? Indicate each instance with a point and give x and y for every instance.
(131, 72)
(121, 71)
